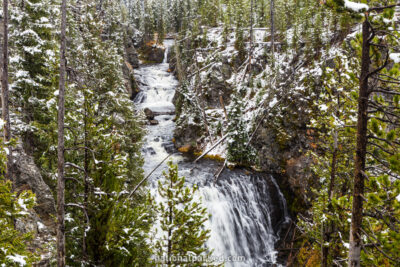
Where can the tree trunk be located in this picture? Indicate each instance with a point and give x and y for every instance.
(60, 148)
(272, 10)
(4, 92)
(86, 180)
(359, 174)
(251, 35)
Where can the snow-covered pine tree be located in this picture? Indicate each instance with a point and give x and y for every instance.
(238, 148)
(102, 144)
(33, 65)
(182, 235)
(332, 153)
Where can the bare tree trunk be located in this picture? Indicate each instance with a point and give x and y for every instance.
(272, 10)
(60, 148)
(86, 181)
(361, 150)
(4, 92)
(251, 34)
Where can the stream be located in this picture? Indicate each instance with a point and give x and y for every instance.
(246, 208)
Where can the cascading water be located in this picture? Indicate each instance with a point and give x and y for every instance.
(246, 209)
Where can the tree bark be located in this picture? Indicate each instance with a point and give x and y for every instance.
(60, 148)
(361, 149)
(251, 34)
(272, 10)
(4, 92)
(86, 180)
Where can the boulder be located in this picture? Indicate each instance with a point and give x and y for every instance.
(149, 114)
(186, 132)
(169, 147)
(149, 150)
(156, 54)
(153, 122)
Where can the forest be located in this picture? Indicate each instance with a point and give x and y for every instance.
(200, 133)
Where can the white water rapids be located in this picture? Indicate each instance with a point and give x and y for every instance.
(246, 209)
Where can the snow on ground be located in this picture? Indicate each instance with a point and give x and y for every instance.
(356, 7)
(264, 94)
(20, 260)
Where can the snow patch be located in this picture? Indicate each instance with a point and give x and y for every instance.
(273, 102)
(41, 226)
(395, 57)
(356, 7)
(17, 259)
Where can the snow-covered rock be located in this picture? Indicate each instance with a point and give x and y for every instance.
(26, 175)
(39, 221)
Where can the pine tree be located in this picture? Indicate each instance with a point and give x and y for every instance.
(33, 61)
(238, 148)
(332, 153)
(374, 149)
(102, 144)
(240, 19)
(182, 235)
(368, 60)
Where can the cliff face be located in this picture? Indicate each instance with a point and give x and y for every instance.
(132, 41)
(262, 102)
(40, 221)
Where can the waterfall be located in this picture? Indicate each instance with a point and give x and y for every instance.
(246, 209)
(165, 60)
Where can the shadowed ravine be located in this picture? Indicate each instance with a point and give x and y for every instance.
(246, 209)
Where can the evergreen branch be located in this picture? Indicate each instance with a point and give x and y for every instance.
(70, 164)
(78, 206)
(379, 68)
(390, 77)
(381, 148)
(381, 251)
(383, 139)
(73, 179)
(379, 160)
(383, 7)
